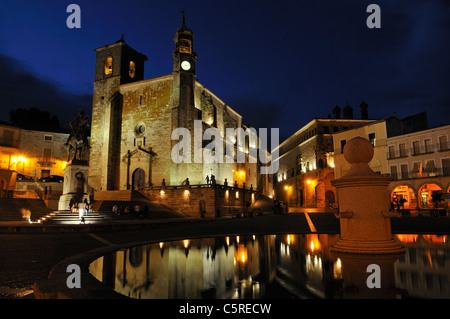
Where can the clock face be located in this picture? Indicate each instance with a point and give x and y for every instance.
(185, 65)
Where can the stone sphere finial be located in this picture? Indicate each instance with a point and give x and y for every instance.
(359, 152)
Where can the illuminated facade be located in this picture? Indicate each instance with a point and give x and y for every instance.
(306, 163)
(33, 154)
(419, 163)
(417, 158)
(133, 119)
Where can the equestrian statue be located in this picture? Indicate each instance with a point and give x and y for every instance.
(78, 142)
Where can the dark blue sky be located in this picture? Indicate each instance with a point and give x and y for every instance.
(278, 63)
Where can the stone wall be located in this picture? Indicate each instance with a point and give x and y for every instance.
(196, 201)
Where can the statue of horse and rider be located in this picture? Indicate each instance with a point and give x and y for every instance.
(78, 142)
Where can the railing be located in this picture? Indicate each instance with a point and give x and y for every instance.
(46, 159)
(424, 174)
(9, 142)
(428, 149)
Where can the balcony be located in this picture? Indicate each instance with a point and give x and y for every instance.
(8, 142)
(46, 160)
(424, 174)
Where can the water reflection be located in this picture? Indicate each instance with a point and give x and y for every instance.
(274, 266)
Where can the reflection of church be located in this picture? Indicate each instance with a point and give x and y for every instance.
(133, 119)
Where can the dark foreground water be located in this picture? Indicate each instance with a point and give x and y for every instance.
(276, 266)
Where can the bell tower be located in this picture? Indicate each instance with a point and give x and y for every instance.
(184, 57)
(183, 108)
(115, 64)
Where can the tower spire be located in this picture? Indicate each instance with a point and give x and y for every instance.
(183, 22)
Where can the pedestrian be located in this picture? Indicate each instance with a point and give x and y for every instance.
(115, 210)
(86, 206)
(207, 179)
(395, 202)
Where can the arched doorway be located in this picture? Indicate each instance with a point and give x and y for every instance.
(138, 179)
(330, 199)
(426, 195)
(407, 193)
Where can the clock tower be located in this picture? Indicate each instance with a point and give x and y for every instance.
(184, 58)
(183, 108)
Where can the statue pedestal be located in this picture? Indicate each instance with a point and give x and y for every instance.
(75, 184)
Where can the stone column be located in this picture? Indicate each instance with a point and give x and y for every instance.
(363, 205)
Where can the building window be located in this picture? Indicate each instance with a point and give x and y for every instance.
(326, 130)
(428, 148)
(416, 148)
(140, 100)
(45, 173)
(402, 148)
(132, 70)
(48, 138)
(108, 65)
(394, 172)
(391, 151)
(429, 167)
(443, 144)
(404, 171)
(446, 166)
(372, 139)
(342, 145)
(417, 169)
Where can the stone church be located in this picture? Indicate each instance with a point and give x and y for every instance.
(133, 119)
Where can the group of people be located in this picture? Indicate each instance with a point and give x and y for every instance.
(137, 209)
(82, 208)
(211, 180)
(398, 204)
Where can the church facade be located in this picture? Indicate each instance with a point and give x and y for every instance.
(133, 119)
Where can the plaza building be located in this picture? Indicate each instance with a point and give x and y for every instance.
(136, 124)
(419, 163)
(306, 160)
(29, 155)
(415, 156)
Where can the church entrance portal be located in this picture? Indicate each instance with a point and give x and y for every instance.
(138, 181)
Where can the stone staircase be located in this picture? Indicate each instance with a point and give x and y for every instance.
(66, 217)
(10, 208)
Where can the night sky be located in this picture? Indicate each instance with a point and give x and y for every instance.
(278, 63)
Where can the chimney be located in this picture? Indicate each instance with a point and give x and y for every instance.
(337, 112)
(364, 113)
(348, 112)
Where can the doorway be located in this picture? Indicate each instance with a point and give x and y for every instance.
(138, 179)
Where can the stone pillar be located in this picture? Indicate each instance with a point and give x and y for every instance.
(75, 184)
(363, 205)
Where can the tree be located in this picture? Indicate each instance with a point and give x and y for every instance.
(34, 119)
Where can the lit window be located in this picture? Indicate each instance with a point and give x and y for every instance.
(132, 71)
(108, 65)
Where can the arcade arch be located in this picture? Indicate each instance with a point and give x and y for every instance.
(405, 192)
(425, 194)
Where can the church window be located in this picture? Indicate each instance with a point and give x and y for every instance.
(132, 71)
(108, 65)
(185, 46)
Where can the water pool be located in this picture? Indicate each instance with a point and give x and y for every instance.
(275, 266)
